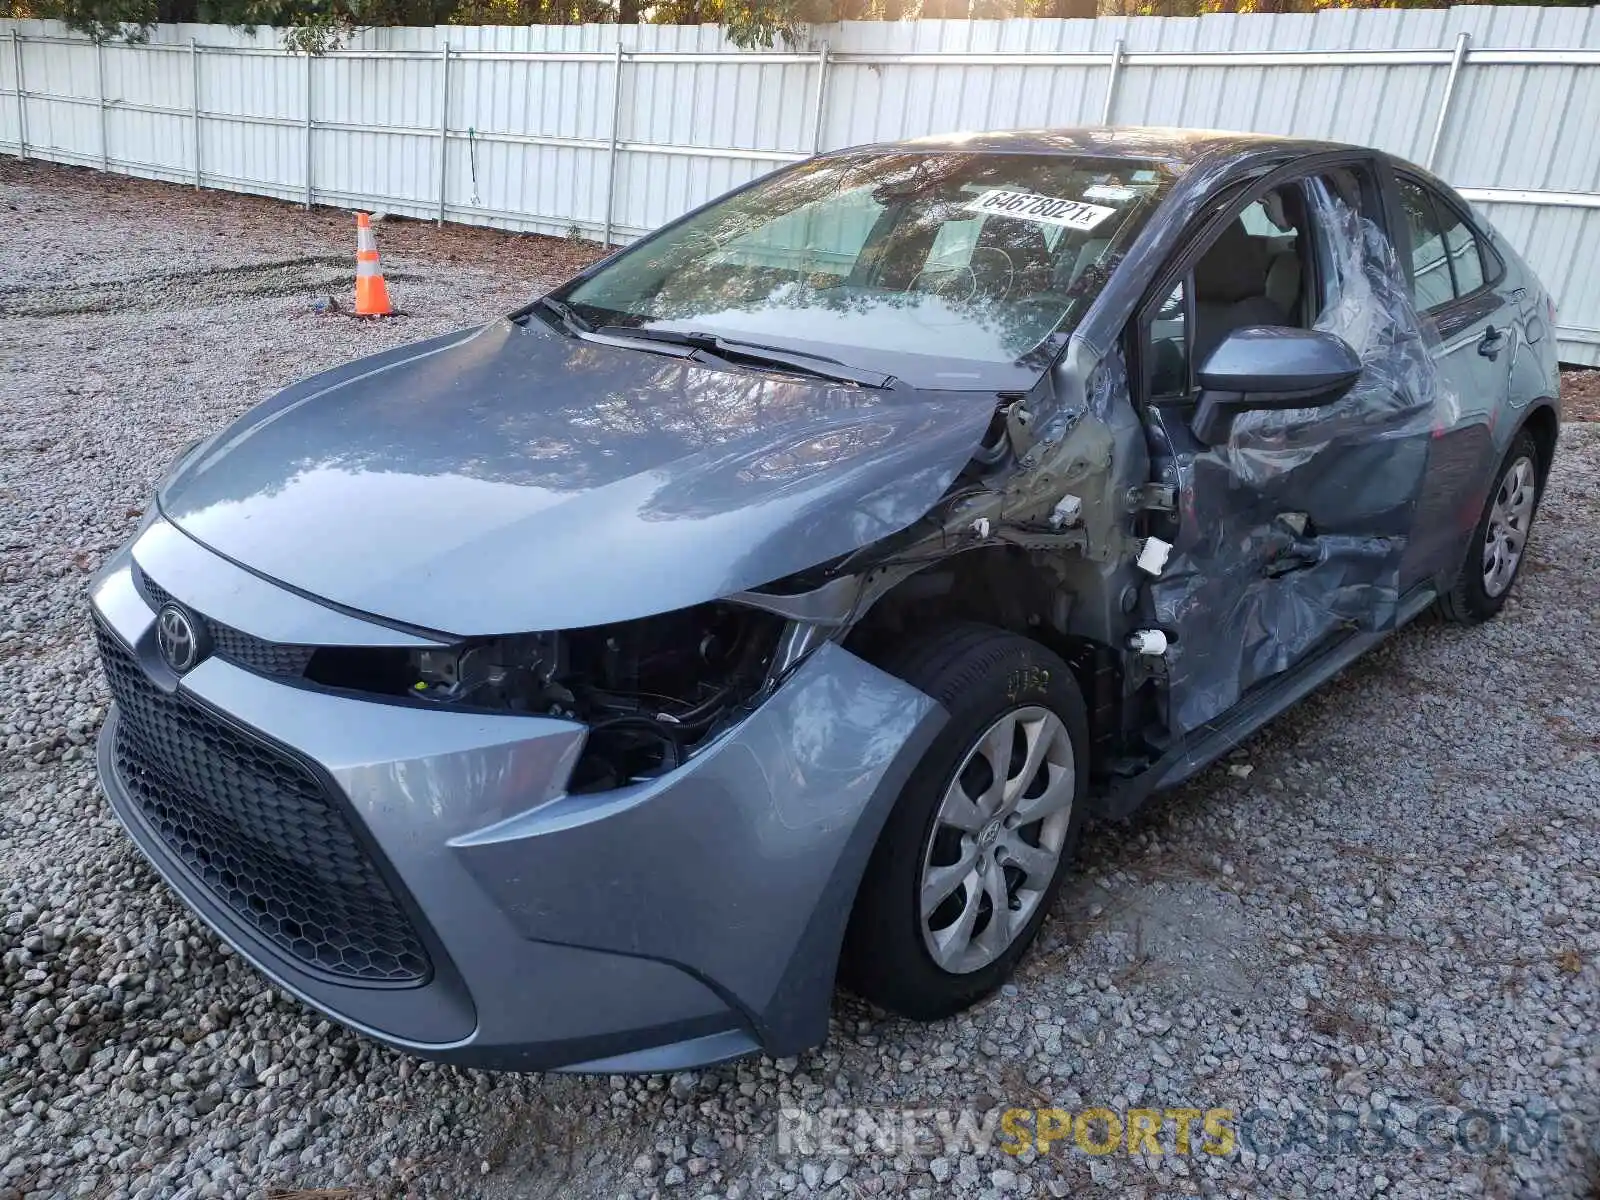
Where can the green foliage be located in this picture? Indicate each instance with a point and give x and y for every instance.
(101, 19)
(750, 23)
(315, 26)
(537, 12)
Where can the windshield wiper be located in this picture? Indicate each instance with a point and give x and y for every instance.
(569, 315)
(756, 354)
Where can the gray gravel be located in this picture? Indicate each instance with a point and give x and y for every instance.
(1386, 905)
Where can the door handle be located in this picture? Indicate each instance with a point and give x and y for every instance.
(1492, 342)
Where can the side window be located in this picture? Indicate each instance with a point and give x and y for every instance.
(1257, 223)
(1252, 273)
(1169, 345)
(1261, 268)
(1430, 268)
(1347, 185)
(1466, 260)
(1447, 262)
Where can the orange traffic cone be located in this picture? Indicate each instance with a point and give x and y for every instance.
(372, 295)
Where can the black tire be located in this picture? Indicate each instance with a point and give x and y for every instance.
(979, 674)
(1469, 601)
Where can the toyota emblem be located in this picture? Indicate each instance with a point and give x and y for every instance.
(178, 636)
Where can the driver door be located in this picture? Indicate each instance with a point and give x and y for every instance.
(1289, 527)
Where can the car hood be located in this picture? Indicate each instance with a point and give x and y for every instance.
(511, 478)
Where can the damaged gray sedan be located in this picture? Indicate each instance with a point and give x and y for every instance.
(773, 603)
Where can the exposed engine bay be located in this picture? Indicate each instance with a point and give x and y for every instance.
(649, 690)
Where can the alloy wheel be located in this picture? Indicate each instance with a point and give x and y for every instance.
(997, 839)
(1506, 535)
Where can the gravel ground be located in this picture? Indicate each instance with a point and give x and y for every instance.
(1386, 905)
(1580, 394)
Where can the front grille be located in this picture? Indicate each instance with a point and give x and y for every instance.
(242, 649)
(266, 658)
(259, 829)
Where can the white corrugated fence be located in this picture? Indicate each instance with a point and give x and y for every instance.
(608, 131)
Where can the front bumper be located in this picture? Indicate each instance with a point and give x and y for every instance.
(685, 921)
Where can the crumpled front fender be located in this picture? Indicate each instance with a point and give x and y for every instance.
(741, 866)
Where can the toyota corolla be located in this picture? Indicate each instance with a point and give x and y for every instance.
(770, 605)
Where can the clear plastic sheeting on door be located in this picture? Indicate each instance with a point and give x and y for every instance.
(1294, 526)
(1371, 310)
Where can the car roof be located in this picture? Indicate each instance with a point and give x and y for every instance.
(1180, 148)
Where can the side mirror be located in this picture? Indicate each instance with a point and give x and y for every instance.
(1262, 366)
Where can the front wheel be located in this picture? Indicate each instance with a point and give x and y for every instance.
(976, 848)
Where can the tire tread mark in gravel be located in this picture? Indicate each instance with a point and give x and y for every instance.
(188, 289)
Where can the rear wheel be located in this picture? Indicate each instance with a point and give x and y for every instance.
(971, 858)
(1500, 541)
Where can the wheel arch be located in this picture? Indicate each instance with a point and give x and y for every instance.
(1544, 426)
(1009, 588)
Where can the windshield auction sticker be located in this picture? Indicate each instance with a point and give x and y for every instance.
(1048, 210)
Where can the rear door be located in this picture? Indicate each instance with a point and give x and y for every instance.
(1475, 333)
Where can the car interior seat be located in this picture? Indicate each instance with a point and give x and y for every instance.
(1231, 288)
(1072, 264)
(1283, 275)
(1283, 283)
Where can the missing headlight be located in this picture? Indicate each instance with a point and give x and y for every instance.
(650, 690)
(518, 673)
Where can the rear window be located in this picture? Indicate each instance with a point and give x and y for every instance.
(1448, 260)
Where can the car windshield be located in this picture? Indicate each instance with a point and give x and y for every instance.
(949, 270)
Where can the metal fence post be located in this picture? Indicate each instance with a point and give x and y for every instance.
(309, 57)
(1456, 59)
(444, 121)
(194, 92)
(22, 108)
(1111, 83)
(100, 87)
(821, 101)
(616, 138)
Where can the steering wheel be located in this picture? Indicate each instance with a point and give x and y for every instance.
(959, 283)
(949, 281)
(990, 265)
